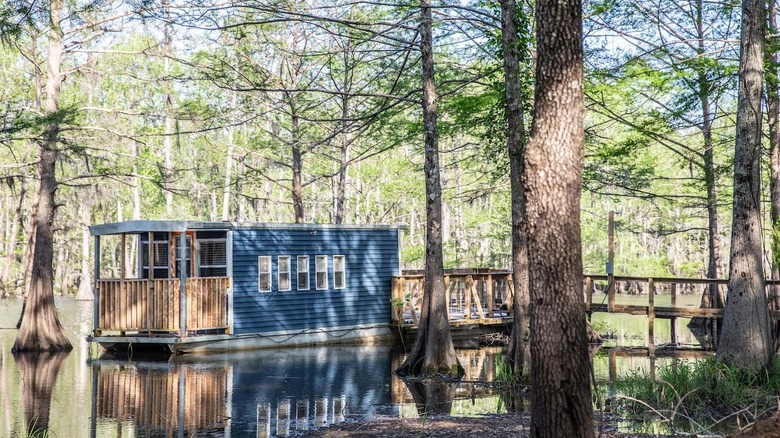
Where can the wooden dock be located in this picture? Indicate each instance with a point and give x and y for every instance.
(480, 301)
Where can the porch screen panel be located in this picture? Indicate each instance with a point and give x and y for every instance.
(212, 259)
(161, 259)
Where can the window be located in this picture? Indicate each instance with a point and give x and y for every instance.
(303, 272)
(160, 257)
(176, 237)
(264, 273)
(339, 272)
(212, 258)
(322, 272)
(284, 273)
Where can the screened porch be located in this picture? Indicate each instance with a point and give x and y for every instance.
(161, 278)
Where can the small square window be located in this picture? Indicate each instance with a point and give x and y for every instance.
(264, 273)
(339, 272)
(303, 272)
(284, 273)
(322, 272)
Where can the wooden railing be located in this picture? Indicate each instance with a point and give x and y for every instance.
(154, 305)
(475, 295)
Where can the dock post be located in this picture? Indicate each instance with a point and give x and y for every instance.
(588, 296)
(651, 316)
(490, 296)
(673, 321)
(611, 263)
(95, 291)
(183, 285)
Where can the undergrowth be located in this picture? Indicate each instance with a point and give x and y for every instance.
(702, 387)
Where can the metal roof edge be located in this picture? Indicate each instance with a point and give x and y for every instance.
(147, 226)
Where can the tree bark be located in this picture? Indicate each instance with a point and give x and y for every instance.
(746, 340)
(432, 352)
(40, 328)
(516, 138)
(773, 107)
(561, 402)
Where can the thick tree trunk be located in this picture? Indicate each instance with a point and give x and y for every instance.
(516, 138)
(432, 352)
(40, 328)
(561, 402)
(39, 372)
(746, 340)
(773, 107)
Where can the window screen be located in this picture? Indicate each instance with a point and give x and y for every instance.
(160, 256)
(322, 272)
(212, 259)
(303, 272)
(284, 273)
(264, 273)
(339, 272)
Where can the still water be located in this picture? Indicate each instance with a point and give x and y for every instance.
(261, 393)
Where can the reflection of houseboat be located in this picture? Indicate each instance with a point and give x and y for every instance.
(242, 286)
(270, 393)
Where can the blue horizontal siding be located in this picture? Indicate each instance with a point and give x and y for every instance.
(371, 259)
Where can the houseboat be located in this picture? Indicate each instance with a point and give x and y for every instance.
(220, 286)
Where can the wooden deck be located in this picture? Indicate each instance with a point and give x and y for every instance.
(481, 301)
(154, 306)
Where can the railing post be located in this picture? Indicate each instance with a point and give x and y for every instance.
(651, 316)
(96, 290)
(673, 321)
(490, 296)
(588, 295)
(183, 285)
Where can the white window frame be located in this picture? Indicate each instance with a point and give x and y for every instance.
(268, 273)
(343, 271)
(279, 273)
(318, 272)
(298, 270)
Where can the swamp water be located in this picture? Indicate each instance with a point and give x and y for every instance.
(260, 393)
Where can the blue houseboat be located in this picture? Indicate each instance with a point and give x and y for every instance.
(218, 286)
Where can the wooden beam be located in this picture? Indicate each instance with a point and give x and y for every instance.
(651, 316)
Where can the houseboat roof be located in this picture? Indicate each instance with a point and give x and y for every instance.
(149, 226)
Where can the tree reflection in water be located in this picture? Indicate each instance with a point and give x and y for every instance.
(432, 396)
(38, 372)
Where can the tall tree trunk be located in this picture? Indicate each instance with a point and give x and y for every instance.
(168, 122)
(297, 168)
(516, 138)
(85, 292)
(561, 402)
(773, 107)
(746, 340)
(229, 166)
(15, 222)
(40, 328)
(432, 352)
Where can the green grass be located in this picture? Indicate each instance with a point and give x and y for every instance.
(699, 387)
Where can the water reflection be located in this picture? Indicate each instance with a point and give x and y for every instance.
(273, 393)
(38, 371)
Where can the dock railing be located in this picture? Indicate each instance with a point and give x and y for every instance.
(145, 305)
(479, 297)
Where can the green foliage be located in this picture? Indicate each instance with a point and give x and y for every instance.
(505, 374)
(695, 387)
